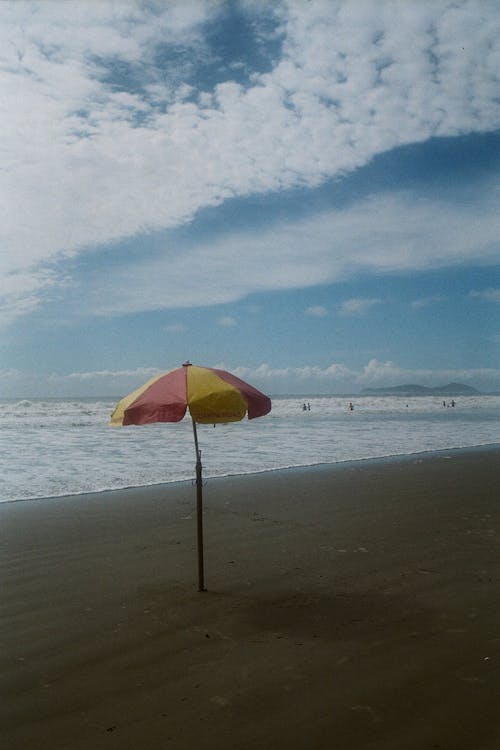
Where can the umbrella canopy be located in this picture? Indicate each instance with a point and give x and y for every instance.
(212, 397)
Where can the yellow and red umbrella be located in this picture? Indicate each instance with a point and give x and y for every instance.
(212, 396)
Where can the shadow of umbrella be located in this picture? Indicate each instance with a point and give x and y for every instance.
(212, 397)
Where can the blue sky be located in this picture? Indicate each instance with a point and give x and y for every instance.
(305, 193)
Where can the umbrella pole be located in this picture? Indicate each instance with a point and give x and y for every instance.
(199, 511)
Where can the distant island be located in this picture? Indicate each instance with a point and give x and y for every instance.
(452, 389)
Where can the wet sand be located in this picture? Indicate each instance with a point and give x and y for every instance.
(347, 607)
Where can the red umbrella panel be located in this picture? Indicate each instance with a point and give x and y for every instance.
(212, 396)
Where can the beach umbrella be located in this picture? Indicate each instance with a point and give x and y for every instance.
(212, 397)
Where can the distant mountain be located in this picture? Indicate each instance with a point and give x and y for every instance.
(452, 389)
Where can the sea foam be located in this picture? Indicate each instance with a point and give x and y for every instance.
(51, 447)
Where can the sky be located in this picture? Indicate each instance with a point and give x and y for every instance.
(305, 193)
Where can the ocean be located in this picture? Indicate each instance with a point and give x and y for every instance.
(54, 447)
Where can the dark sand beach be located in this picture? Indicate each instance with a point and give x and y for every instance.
(347, 607)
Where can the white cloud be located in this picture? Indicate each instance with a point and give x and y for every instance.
(427, 301)
(316, 311)
(382, 374)
(138, 372)
(334, 378)
(357, 307)
(115, 383)
(338, 378)
(490, 295)
(175, 328)
(226, 321)
(85, 163)
(384, 234)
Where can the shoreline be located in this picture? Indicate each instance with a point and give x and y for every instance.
(358, 603)
(389, 458)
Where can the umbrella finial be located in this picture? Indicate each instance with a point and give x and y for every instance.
(187, 363)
